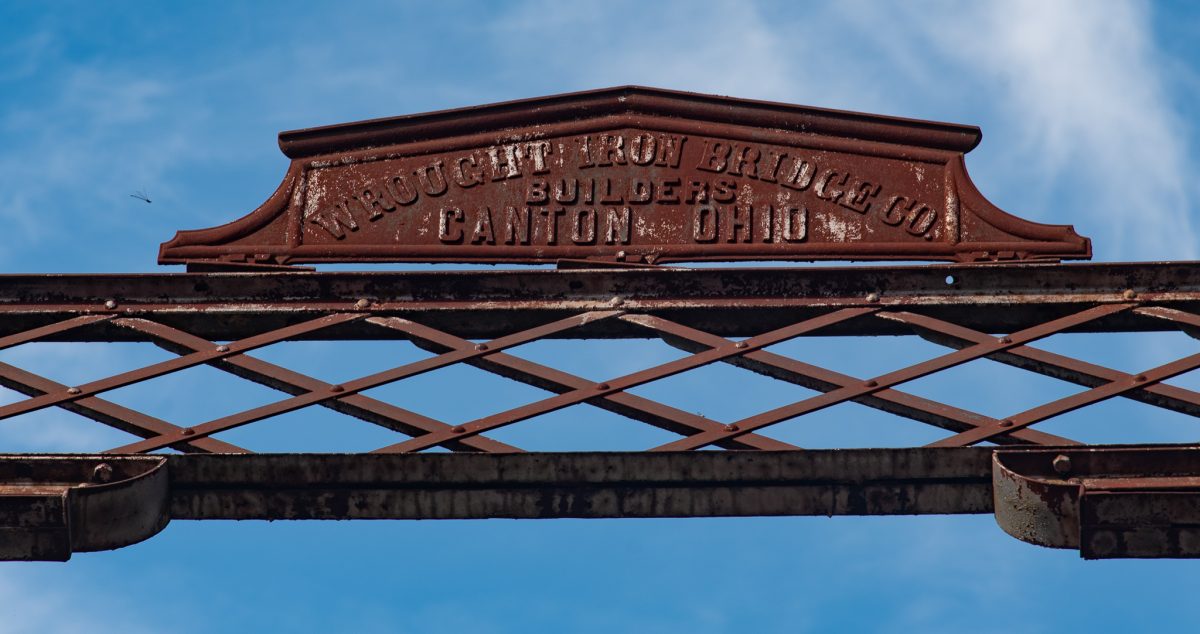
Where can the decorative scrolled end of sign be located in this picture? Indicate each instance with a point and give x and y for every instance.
(629, 174)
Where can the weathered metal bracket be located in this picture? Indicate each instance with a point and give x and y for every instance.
(52, 506)
(1109, 502)
(631, 175)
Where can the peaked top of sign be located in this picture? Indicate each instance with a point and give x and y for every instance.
(627, 174)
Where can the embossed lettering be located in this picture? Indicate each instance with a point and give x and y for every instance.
(771, 166)
(610, 150)
(432, 178)
(744, 161)
(739, 221)
(564, 192)
(725, 191)
(766, 223)
(467, 177)
(714, 156)
(376, 203)
(538, 150)
(448, 232)
(642, 149)
(551, 230)
(536, 193)
(640, 191)
(857, 197)
(583, 228)
(704, 223)
(799, 175)
(666, 191)
(482, 233)
(669, 149)
(619, 222)
(795, 224)
(516, 225)
(504, 162)
(333, 221)
(401, 190)
(823, 190)
(608, 196)
(916, 217)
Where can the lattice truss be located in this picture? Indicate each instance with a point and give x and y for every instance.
(883, 392)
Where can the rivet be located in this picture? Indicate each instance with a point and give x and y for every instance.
(1061, 464)
(1129, 294)
(872, 297)
(110, 304)
(102, 473)
(222, 348)
(1005, 340)
(481, 347)
(601, 386)
(871, 383)
(336, 388)
(1140, 378)
(72, 390)
(458, 429)
(741, 345)
(362, 304)
(1006, 423)
(620, 255)
(616, 301)
(731, 427)
(188, 431)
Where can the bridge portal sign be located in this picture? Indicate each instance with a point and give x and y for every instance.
(627, 174)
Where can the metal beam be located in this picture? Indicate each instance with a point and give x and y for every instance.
(484, 304)
(465, 486)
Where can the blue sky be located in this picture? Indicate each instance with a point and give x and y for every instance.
(1089, 112)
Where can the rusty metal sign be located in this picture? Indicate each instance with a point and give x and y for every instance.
(628, 174)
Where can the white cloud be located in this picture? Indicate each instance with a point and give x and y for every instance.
(1086, 111)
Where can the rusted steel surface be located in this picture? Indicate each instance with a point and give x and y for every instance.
(1124, 505)
(484, 304)
(705, 312)
(628, 174)
(53, 506)
(152, 490)
(1108, 502)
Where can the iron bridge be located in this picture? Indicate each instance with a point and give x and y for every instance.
(1004, 297)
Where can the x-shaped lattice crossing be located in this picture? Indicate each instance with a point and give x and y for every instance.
(879, 392)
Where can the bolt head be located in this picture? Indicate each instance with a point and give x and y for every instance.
(102, 473)
(741, 345)
(616, 301)
(336, 388)
(731, 427)
(222, 348)
(1005, 340)
(1061, 464)
(1129, 294)
(871, 383)
(458, 429)
(362, 304)
(1006, 423)
(481, 347)
(602, 386)
(188, 432)
(1140, 378)
(110, 304)
(72, 390)
(872, 297)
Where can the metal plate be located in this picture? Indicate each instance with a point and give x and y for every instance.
(631, 175)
